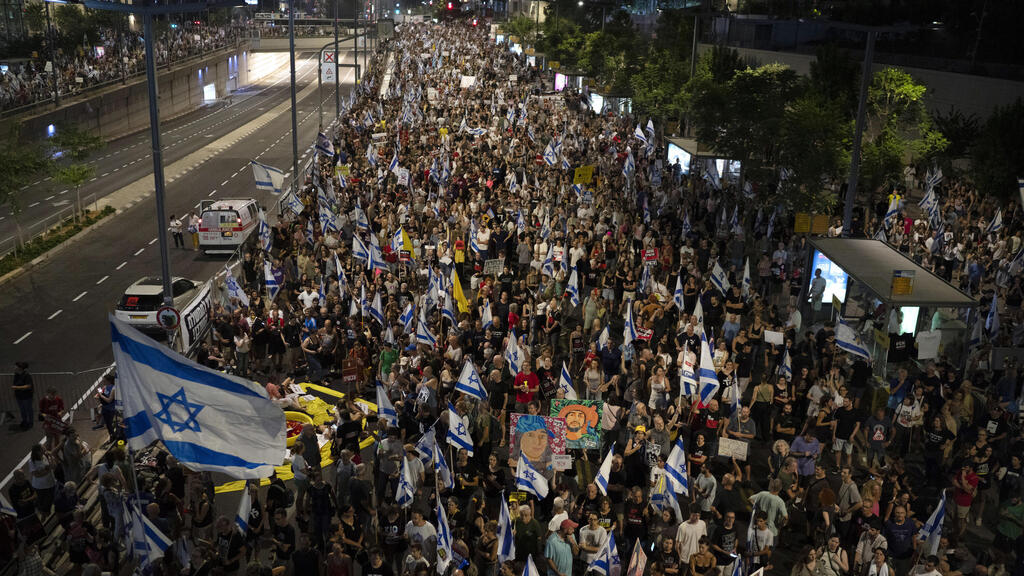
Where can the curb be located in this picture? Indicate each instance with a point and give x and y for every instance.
(56, 249)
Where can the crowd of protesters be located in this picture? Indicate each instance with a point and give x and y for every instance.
(842, 469)
(116, 57)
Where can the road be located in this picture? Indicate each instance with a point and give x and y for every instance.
(57, 311)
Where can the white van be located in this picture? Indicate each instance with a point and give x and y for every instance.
(225, 224)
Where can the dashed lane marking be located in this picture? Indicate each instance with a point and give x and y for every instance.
(27, 334)
(55, 314)
(101, 280)
(121, 265)
(79, 297)
(139, 251)
(151, 242)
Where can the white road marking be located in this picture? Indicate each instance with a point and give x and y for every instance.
(49, 198)
(151, 242)
(55, 314)
(100, 281)
(105, 174)
(139, 251)
(63, 191)
(121, 265)
(27, 334)
(224, 183)
(33, 205)
(79, 297)
(211, 193)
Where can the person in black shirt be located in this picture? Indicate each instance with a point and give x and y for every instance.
(376, 567)
(724, 541)
(935, 436)
(321, 501)
(230, 546)
(847, 426)
(305, 559)
(283, 538)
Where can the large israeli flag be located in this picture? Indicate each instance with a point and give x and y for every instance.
(513, 355)
(572, 288)
(406, 491)
(273, 285)
(293, 203)
(209, 421)
(263, 229)
(607, 561)
(931, 532)
(469, 381)
(234, 288)
(529, 480)
(506, 539)
(719, 278)
(848, 341)
(323, 145)
(675, 469)
(375, 309)
(426, 446)
(444, 540)
(458, 435)
(148, 542)
(442, 471)
(385, 410)
(486, 319)
(605, 471)
(268, 178)
(359, 251)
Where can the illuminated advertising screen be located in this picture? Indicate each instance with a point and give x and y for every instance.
(677, 153)
(835, 278)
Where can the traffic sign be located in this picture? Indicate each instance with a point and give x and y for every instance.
(168, 318)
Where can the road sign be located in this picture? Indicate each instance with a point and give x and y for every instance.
(902, 282)
(328, 66)
(168, 318)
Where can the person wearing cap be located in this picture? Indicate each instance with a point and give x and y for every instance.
(561, 548)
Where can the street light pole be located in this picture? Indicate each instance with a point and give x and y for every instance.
(862, 104)
(53, 58)
(158, 164)
(337, 60)
(295, 121)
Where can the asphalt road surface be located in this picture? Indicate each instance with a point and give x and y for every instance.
(56, 313)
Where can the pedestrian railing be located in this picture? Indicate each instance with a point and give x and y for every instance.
(76, 208)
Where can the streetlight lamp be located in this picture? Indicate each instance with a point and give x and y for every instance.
(54, 76)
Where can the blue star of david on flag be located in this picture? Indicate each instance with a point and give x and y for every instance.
(166, 415)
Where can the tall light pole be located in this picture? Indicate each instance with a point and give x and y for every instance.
(858, 134)
(295, 122)
(337, 81)
(148, 11)
(54, 76)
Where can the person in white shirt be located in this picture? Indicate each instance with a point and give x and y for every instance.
(879, 565)
(592, 538)
(688, 535)
(307, 296)
(558, 514)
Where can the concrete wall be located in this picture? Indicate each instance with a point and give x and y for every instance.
(120, 110)
(970, 94)
(305, 44)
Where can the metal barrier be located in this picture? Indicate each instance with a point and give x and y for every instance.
(40, 228)
(74, 387)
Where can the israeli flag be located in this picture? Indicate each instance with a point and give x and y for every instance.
(848, 341)
(880, 234)
(662, 498)
(486, 319)
(572, 287)
(393, 165)
(697, 318)
(385, 410)
(565, 384)
(687, 228)
(375, 310)
(607, 561)
(448, 308)
(996, 224)
(707, 378)
(675, 469)
(932, 178)
(734, 223)
(603, 338)
(469, 382)
(506, 539)
(639, 134)
(423, 333)
(207, 420)
(376, 257)
(268, 178)
(992, 320)
(244, 510)
(442, 471)
(292, 203)
(458, 433)
(629, 166)
(894, 207)
(650, 129)
(771, 224)
(605, 471)
(477, 132)
(362, 222)
(342, 181)
(512, 353)
(719, 278)
(530, 569)
(687, 377)
(323, 145)
(342, 282)
(629, 330)
(550, 156)
(520, 223)
(359, 251)
(234, 289)
(309, 233)
(327, 220)
(711, 174)
(6, 508)
(677, 296)
(746, 285)
(529, 480)
(578, 189)
(545, 229)
(148, 542)
(786, 368)
(407, 317)
(406, 491)
(548, 267)
(931, 532)
(273, 286)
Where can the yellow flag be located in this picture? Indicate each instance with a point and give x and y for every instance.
(460, 298)
(407, 244)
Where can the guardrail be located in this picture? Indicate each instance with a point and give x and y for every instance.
(40, 228)
(139, 72)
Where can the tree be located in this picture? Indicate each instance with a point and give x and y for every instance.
(814, 145)
(23, 162)
(834, 76)
(35, 17)
(522, 26)
(658, 86)
(998, 153)
(75, 175)
(899, 128)
(70, 141)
